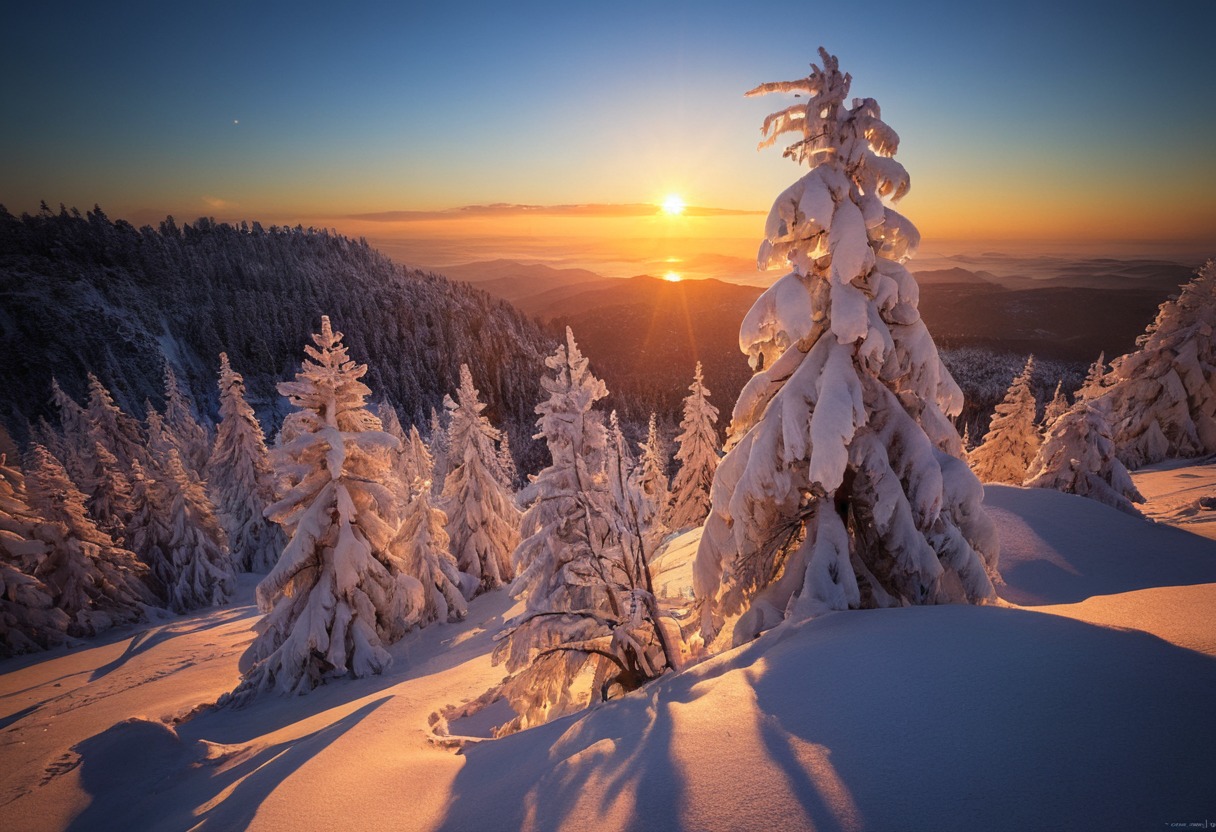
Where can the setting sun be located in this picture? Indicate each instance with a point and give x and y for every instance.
(673, 204)
(672, 277)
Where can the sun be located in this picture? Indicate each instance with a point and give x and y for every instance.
(672, 277)
(673, 204)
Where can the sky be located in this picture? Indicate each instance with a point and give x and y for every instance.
(1056, 123)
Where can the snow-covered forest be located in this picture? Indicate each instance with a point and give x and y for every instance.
(294, 537)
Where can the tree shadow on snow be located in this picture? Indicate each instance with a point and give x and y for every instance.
(142, 775)
(1061, 549)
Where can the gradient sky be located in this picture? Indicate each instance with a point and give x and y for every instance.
(1018, 121)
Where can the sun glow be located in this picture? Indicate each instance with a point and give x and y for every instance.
(673, 204)
(672, 277)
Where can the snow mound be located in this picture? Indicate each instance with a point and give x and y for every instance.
(1060, 548)
(950, 717)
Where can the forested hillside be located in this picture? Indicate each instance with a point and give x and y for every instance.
(82, 293)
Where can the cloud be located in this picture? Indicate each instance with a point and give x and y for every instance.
(503, 209)
(217, 204)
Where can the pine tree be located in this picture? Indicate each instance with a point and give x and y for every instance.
(241, 480)
(843, 484)
(508, 472)
(160, 438)
(1078, 457)
(189, 436)
(650, 479)
(336, 595)
(1012, 439)
(1162, 397)
(113, 428)
(1056, 408)
(439, 447)
(1095, 381)
(29, 619)
(109, 502)
(421, 544)
(698, 457)
(402, 470)
(416, 461)
(70, 446)
(149, 532)
(482, 522)
(197, 546)
(589, 613)
(96, 582)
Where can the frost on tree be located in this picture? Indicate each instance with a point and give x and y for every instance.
(197, 546)
(590, 616)
(416, 461)
(1162, 397)
(113, 428)
(482, 522)
(188, 435)
(650, 479)
(698, 457)
(95, 581)
(843, 485)
(240, 478)
(70, 447)
(439, 448)
(29, 619)
(160, 438)
(401, 468)
(150, 531)
(508, 473)
(1013, 438)
(1094, 384)
(109, 490)
(421, 544)
(336, 596)
(1056, 408)
(1078, 457)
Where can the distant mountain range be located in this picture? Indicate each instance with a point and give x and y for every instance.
(644, 334)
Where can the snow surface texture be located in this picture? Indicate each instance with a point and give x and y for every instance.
(1091, 710)
(843, 485)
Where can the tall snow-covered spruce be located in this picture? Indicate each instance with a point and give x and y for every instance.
(590, 615)
(336, 596)
(241, 481)
(482, 522)
(197, 545)
(843, 485)
(698, 457)
(1013, 438)
(1162, 397)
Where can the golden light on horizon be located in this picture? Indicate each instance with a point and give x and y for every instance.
(673, 204)
(672, 277)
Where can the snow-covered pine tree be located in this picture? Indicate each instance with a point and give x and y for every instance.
(150, 532)
(843, 484)
(1078, 457)
(70, 446)
(439, 448)
(1162, 397)
(404, 476)
(95, 581)
(240, 478)
(188, 435)
(650, 478)
(1056, 408)
(336, 595)
(588, 614)
(482, 522)
(698, 456)
(417, 464)
(1012, 439)
(29, 619)
(113, 428)
(109, 491)
(422, 546)
(1095, 381)
(160, 439)
(197, 545)
(508, 472)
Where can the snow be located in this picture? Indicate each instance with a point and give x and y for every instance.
(1082, 700)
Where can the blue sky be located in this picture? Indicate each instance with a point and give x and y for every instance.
(1090, 108)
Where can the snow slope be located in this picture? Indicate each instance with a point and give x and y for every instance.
(1089, 707)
